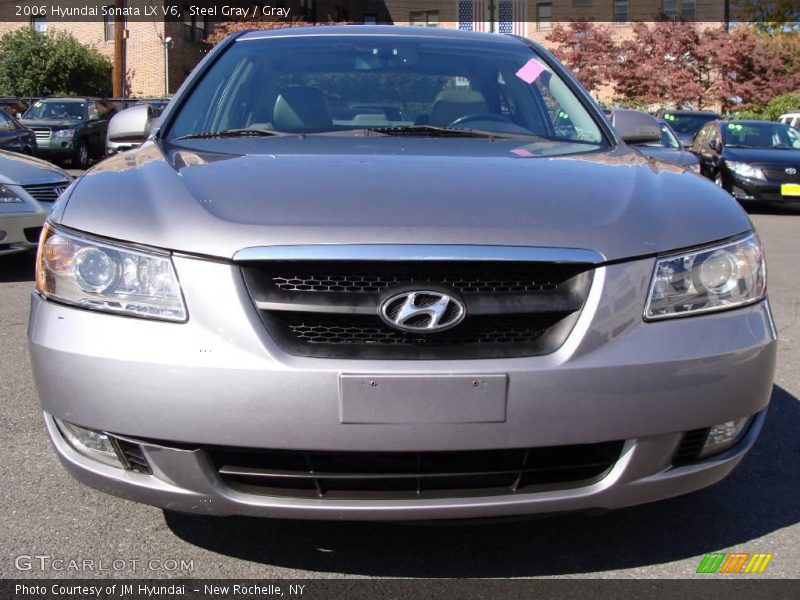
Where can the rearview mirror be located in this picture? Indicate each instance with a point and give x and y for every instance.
(131, 125)
(635, 127)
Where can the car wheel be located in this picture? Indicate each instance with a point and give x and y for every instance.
(81, 158)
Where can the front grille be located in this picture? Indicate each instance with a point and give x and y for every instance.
(370, 282)
(690, 447)
(42, 133)
(46, 192)
(409, 475)
(357, 329)
(780, 174)
(331, 308)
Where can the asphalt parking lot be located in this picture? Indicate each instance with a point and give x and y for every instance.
(45, 512)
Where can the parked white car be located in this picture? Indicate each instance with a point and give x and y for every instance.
(28, 188)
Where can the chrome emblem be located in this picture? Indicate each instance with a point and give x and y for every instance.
(59, 190)
(422, 311)
(791, 171)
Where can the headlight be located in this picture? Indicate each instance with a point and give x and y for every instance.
(64, 133)
(108, 278)
(713, 278)
(745, 170)
(9, 196)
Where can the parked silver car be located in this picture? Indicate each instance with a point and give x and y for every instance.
(28, 189)
(485, 305)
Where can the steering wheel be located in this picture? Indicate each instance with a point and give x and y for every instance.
(479, 117)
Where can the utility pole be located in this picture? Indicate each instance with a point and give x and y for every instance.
(118, 76)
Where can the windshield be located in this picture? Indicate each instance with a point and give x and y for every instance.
(54, 109)
(315, 84)
(668, 139)
(688, 124)
(761, 135)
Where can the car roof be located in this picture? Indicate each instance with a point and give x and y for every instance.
(753, 122)
(689, 112)
(69, 99)
(386, 30)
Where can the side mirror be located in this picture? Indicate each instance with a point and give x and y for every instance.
(93, 118)
(131, 125)
(635, 127)
(19, 116)
(715, 145)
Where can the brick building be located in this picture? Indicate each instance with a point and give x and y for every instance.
(143, 53)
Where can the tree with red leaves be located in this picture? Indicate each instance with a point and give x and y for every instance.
(668, 61)
(751, 71)
(586, 48)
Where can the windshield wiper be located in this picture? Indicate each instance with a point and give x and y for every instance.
(434, 131)
(229, 133)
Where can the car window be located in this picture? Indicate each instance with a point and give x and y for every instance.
(5, 122)
(319, 84)
(667, 140)
(688, 124)
(713, 137)
(104, 111)
(763, 135)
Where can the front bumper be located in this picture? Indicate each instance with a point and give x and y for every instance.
(224, 382)
(754, 190)
(55, 147)
(19, 233)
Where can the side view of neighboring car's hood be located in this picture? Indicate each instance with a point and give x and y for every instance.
(326, 190)
(20, 169)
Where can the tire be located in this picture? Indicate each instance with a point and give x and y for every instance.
(80, 160)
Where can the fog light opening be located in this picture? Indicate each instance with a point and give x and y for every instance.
(90, 443)
(723, 436)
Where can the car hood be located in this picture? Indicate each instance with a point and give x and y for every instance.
(682, 158)
(335, 190)
(763, 156)
(25, 170)
(54, 123)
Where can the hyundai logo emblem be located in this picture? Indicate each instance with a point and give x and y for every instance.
(791, 171)
(422, 311)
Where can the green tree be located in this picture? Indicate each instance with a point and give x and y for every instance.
(35, 64)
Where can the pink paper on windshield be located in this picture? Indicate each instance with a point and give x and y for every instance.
(522, 152)
(530, 71)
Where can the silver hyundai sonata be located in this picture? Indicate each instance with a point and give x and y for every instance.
(395, 273)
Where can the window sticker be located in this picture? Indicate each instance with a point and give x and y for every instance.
(530, 71)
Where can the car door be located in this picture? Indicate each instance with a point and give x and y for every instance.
(94, 129)
(105, 110)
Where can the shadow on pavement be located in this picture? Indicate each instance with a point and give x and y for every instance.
(758, 498)
(773, 209)
(18, 267)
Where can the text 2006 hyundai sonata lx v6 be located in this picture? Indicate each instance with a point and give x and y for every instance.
(390, 273)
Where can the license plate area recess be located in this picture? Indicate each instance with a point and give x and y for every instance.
(423, 399)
